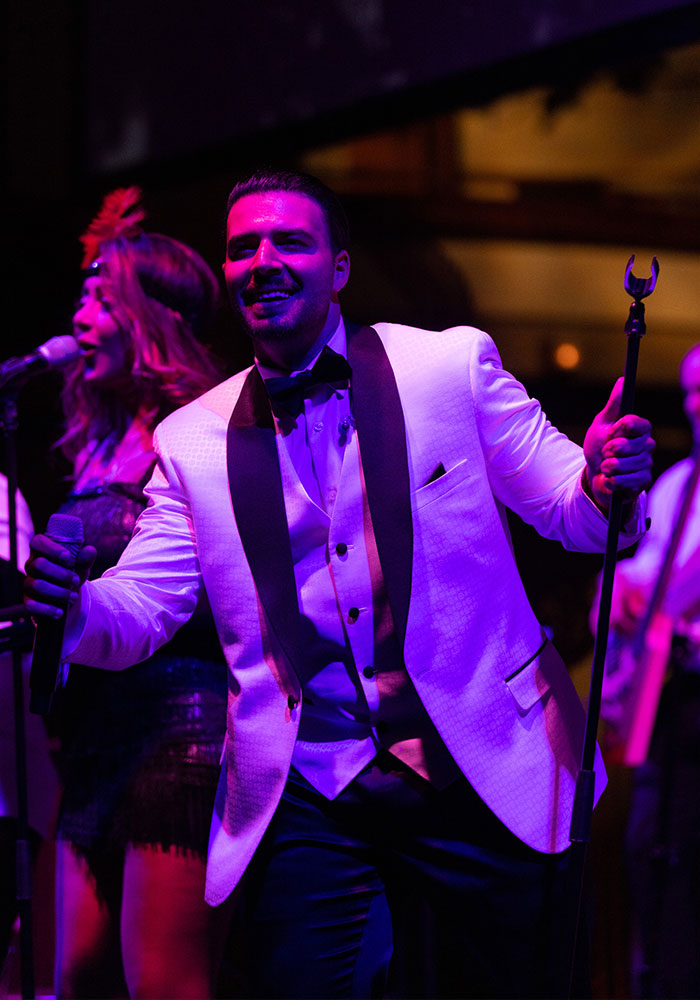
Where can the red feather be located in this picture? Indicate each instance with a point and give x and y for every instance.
(121, 214)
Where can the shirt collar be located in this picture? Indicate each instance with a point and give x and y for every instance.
(337, 341)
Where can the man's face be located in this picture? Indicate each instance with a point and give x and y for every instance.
(281, 274)
(690, 386)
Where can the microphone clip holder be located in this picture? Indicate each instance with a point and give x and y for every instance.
(639, 288)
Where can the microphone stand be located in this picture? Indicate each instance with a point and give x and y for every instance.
(580, 831)
(8, 427)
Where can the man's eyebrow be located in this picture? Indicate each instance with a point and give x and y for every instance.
(297, 231)
(241, 238)
(281, 233)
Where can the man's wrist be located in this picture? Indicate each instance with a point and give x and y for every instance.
(604, 508)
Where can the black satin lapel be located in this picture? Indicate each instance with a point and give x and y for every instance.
(255, 483)
(382, 435)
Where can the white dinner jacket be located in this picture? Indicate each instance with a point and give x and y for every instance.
(496, 690)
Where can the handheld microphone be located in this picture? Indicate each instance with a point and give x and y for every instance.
(55, 352)
(67, 530)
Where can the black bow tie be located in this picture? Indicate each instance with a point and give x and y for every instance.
(289, 391)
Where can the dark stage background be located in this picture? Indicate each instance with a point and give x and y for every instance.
(165, 85)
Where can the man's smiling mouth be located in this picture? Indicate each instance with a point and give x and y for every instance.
(252, 296)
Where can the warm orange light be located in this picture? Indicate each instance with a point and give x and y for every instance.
(567, 356)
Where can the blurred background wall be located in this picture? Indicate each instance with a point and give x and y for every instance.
(500, 163)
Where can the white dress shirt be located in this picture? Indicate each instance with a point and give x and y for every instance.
(359, 697)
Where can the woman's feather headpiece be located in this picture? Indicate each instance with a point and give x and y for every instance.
(121, 214)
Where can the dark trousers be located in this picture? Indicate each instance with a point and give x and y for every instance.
(394, 867)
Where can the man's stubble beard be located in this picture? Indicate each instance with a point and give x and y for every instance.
(275, 333)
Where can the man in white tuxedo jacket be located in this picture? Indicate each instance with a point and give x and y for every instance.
(397, 717)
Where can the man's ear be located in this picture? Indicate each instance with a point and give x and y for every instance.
(342, 270)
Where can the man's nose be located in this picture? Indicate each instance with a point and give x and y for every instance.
(266, 257)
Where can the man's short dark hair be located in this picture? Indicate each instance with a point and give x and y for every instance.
(267, 179)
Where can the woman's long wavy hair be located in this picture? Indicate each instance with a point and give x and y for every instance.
(163, 296)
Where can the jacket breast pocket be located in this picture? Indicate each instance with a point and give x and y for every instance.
(441, 486)
(528, 684)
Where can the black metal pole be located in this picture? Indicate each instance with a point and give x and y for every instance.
(580, 830)
(8, 422)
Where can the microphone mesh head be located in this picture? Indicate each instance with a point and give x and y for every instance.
(67, 530)
(60, 350)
